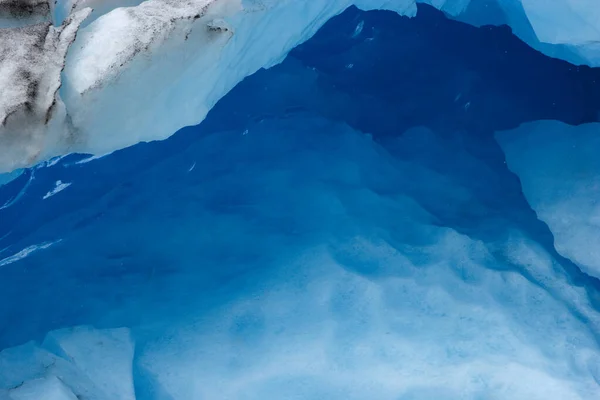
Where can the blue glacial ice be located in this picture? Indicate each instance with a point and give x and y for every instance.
(559, 168)
(401, 208)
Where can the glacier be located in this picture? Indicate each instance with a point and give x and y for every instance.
(383, 204)
(183, 56)
(559, 169)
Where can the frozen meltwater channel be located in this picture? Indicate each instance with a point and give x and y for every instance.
(379, 216)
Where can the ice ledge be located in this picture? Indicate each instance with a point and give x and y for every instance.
(141, 73)
(166, 73)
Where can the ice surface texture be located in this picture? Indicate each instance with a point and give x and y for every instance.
(32, 116)
(14, 13)
(71, 364)
(304, 259)
(559, 168)
(330, 231)
(178, 58)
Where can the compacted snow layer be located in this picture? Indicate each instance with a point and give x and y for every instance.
(559, 168)
(141, 73)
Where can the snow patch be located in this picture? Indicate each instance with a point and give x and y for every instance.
(90, 159)
(25, 252)
(59, 187)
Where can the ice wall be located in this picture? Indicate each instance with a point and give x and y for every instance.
(301, 258)
(180, 57)
(181, 68)
(559, 168)
(329, 231)
(191, 61)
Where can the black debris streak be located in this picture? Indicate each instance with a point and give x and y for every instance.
(22, 9)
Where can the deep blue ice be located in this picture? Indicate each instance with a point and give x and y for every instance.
(365, 159)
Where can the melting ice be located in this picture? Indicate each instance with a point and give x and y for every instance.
(422, 225)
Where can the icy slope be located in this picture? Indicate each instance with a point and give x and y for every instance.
(279, 251)
(559, 168)
(302, 259)
(133, 67)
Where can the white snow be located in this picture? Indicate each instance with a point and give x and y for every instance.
(59, 186)
(25, 252)
(51, 162)
(559, 169)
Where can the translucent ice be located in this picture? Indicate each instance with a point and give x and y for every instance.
(559, 168)
(71, 364)
(10, 176)
(332, 230)
(61, 9)
(105, 357)
(181, 58)
(304, 259)
(44, 388)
